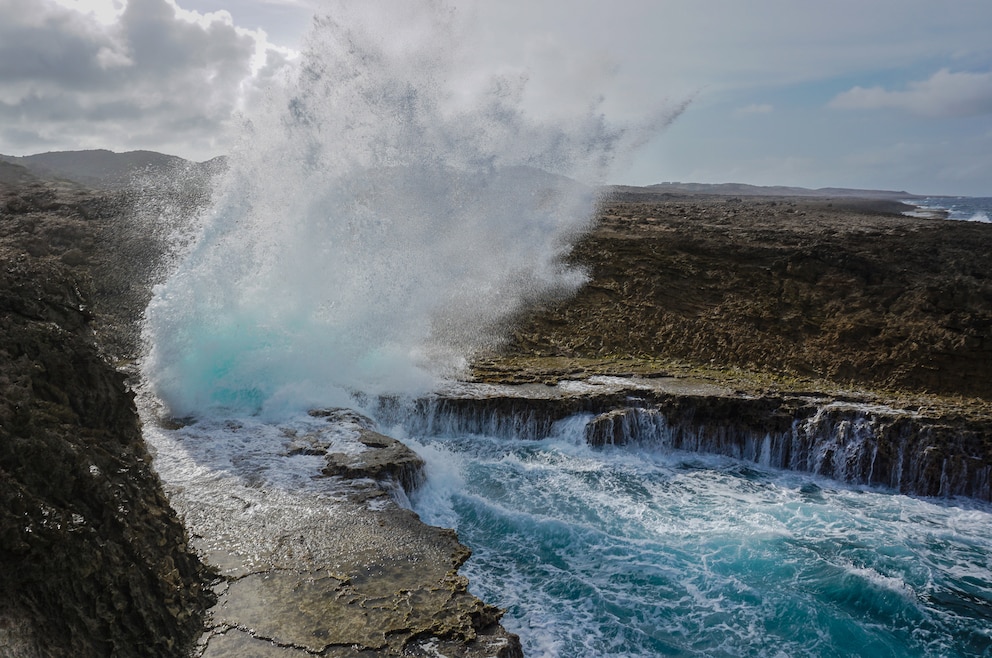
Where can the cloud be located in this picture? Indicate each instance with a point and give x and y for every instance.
(123, 79)
(944, 94)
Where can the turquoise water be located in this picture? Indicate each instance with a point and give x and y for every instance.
(627, 553)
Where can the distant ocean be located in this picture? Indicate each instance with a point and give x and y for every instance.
(970, 209)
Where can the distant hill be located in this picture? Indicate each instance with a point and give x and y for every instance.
(14, 173)
(107, 169)
(742, 189)
(97, 168)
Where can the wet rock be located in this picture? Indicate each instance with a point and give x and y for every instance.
(386, 459)
(336, 568)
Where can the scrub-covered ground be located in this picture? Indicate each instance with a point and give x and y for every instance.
(772, 293)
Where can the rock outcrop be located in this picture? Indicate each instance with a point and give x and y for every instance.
(93, 560)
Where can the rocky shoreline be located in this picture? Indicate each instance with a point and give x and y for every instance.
(849, 438)
(831, 336)
(97, 561)
(835, 336)
(314, 552)
(94, 560)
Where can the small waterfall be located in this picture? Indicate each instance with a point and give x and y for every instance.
(503, 417)
(842, 445)
(850, 444)
(857, 444)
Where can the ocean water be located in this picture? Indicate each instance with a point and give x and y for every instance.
(623, 552)
(969, 209)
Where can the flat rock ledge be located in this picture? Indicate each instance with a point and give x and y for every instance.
(355, 575)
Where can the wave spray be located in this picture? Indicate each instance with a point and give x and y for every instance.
(382, 218)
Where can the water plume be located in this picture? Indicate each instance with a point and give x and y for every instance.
(378, 224)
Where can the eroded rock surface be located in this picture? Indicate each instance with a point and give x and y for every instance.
(93, 560)
(839, 290)
(316, 556)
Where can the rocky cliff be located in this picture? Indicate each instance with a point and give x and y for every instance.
(93, 560)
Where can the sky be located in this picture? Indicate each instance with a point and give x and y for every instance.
(873, 94)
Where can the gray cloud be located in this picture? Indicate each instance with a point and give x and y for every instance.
(70, 80)
(944, 94)
(49, 46)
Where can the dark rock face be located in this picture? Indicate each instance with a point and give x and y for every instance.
(93, 560)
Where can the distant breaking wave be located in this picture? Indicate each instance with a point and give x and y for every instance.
(970, 209)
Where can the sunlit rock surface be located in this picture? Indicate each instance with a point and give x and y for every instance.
(315, 553)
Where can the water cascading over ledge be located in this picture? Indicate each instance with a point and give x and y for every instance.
(855, 443)
(912, 455)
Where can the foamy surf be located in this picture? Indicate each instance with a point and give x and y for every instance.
(625, 552)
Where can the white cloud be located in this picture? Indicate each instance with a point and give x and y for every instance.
(104, 11)
(108, 58)
(140, 74)
(944, 94)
